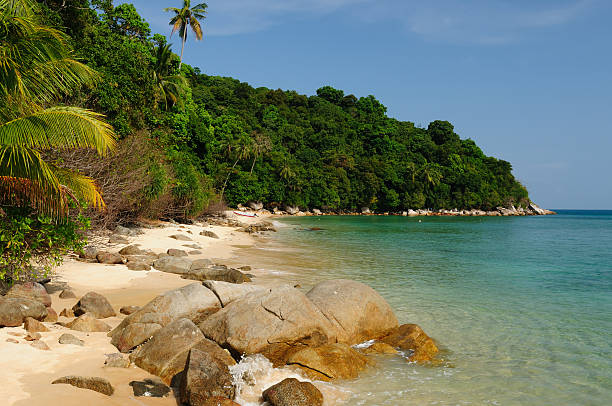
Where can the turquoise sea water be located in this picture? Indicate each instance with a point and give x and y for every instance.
(521, 306)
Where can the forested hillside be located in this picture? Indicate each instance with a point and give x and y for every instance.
(188, 139)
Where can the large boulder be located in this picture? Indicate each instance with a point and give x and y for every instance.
(274, 322)
(175, 265)
(228, 292)
(110, 258)
(329, 362)
(291, 392)
(133, 249)
(14, 310)
(357, 312)
(410, 337)
(94, 304)
(85, 382)
(205, 377)
(165, 354)
(194, 302)
(217, 273)
(88, 323)
(30, 290)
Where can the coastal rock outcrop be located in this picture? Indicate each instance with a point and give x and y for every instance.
(94, 304)
(356, 311)
(177, 265)
(228, 292)
(275, 322)
(291, 392)
(30, 290)
(205, 377)
(329, 362)
(165, 354)
(14, 310)
(193, 302)
(410, 337)
(84, 382)
(217, 273)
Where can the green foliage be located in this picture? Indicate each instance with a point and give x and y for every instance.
(31, 244)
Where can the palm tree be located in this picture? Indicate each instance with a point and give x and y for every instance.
(431, 173)
(169, 87)
(36, 69)
(240, 149)
(184, 17)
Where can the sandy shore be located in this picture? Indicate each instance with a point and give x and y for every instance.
(27, 372)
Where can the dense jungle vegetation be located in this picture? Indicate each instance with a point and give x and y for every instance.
(189, 141)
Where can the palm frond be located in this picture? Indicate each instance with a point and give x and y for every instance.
(59, 127)
(197, 29)
(80, 187)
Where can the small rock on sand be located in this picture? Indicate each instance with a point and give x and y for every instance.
(67, 294)
(127, 310)
(88, 323)
(33, 337)
(40, 345)
(33, 326)
(92, 383)
(181, 237)
(210, 234)
(150, 387)
(291, 392)
(68, 338)
(12, 340)
(94, 304)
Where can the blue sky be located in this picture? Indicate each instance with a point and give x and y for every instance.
(529, 80)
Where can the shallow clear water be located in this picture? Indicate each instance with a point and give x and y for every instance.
(522, 306)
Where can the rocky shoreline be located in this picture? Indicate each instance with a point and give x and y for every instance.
(531, 210)
(190, 342)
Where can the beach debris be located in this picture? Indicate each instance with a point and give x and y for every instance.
(14, 310)
(410, 337)
(127, 310)
(150, 388)
(166, 353)
(88, 323)
(30, 290)
(94, 304)
(109, 258)
(67, 294)
(193, 301)
(33, 326)
(291, 392)
(96, 384)
(173, 252)
(68, 338)
(116, 360)
(40, 345)
(181, 237)
(205, 376)
(208, 233)
(329, 362)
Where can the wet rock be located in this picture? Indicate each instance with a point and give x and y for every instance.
(34, 326)
(357, 312)
(291, 392)
(51, 316)
(205, 377)
(330, 362)
(67, 294)
(274, 322)
(94, 304)
(173, 252)
(92, 383)
(133, 249)
(67, 313)
(378, 348)
(194, 302)
(14, 310)
(109, 258)
(68, 338)
(410, 337)
(210, 234)
(89, 324)
(181, 237)
(40, 345)
(33, 337)
(127, 310)
(165, 354)
(117, 360)
(175, 265)
(30, 290)
(150, 388)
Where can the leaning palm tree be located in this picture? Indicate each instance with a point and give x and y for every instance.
(169, 86)
(36, 70)
(187, 17)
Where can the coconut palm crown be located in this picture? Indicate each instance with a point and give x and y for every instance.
(185, 17)
(37, 69)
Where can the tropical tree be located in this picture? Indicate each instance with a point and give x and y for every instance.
(431, 173)
(169, 86)
(36, 70)
(185, 17)
(238, 149)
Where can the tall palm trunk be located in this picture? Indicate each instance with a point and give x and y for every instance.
(183, 47)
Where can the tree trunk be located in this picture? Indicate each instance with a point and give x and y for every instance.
(227, 178)
(183, 47)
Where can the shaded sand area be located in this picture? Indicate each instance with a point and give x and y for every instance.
(27, 372)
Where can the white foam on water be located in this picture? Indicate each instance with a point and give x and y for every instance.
(255, 373)
(365, 344)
